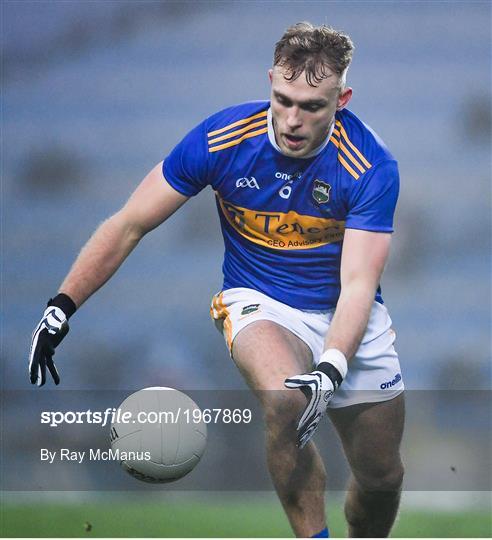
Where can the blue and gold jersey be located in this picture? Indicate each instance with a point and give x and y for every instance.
(283, 219)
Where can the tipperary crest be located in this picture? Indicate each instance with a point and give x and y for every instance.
(321, 191)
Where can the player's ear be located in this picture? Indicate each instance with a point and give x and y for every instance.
(270, 74)
(344, 98)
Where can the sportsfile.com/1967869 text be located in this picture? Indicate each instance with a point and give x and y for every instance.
(113, 415)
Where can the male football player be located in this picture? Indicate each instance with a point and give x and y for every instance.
(306, 194)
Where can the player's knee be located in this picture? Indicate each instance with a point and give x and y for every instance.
(281, 412)
(390, 479)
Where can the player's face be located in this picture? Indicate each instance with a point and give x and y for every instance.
(303, 114)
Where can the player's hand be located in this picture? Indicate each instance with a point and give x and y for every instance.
(47, 335)
(318, 386)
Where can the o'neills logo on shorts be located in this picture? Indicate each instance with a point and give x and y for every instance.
(280, 230)
(389, 384)
(250, 309)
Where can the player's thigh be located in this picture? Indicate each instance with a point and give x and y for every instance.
(266, 354)
(371, 435)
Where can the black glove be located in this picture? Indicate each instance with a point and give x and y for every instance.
(318, 386)
(47, 335)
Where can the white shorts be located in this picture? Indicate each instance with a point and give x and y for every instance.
(374, 373)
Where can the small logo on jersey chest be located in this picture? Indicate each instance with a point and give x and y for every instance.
(285, 176)
(247, 182)
(321, 191)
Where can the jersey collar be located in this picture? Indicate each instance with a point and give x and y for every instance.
(273, 142)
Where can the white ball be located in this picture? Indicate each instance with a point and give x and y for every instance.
(164, 440)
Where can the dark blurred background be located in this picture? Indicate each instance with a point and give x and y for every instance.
(95, 93)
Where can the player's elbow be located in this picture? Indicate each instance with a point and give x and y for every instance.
(130, 229)
(359, 286)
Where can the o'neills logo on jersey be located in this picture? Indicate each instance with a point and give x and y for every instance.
(321, 191)
(280, 230)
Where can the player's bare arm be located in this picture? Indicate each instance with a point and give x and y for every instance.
(364, 256)
(151, 204)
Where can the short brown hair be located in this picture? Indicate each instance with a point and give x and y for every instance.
(313, 50)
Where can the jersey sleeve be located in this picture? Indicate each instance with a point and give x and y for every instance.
(186, 167)
(372, 202)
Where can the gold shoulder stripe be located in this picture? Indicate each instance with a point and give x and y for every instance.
(238, 141)
(351, 157)
(249, 127)
(349, 142)
(238, 123)
(337, 143)
(348, 167)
